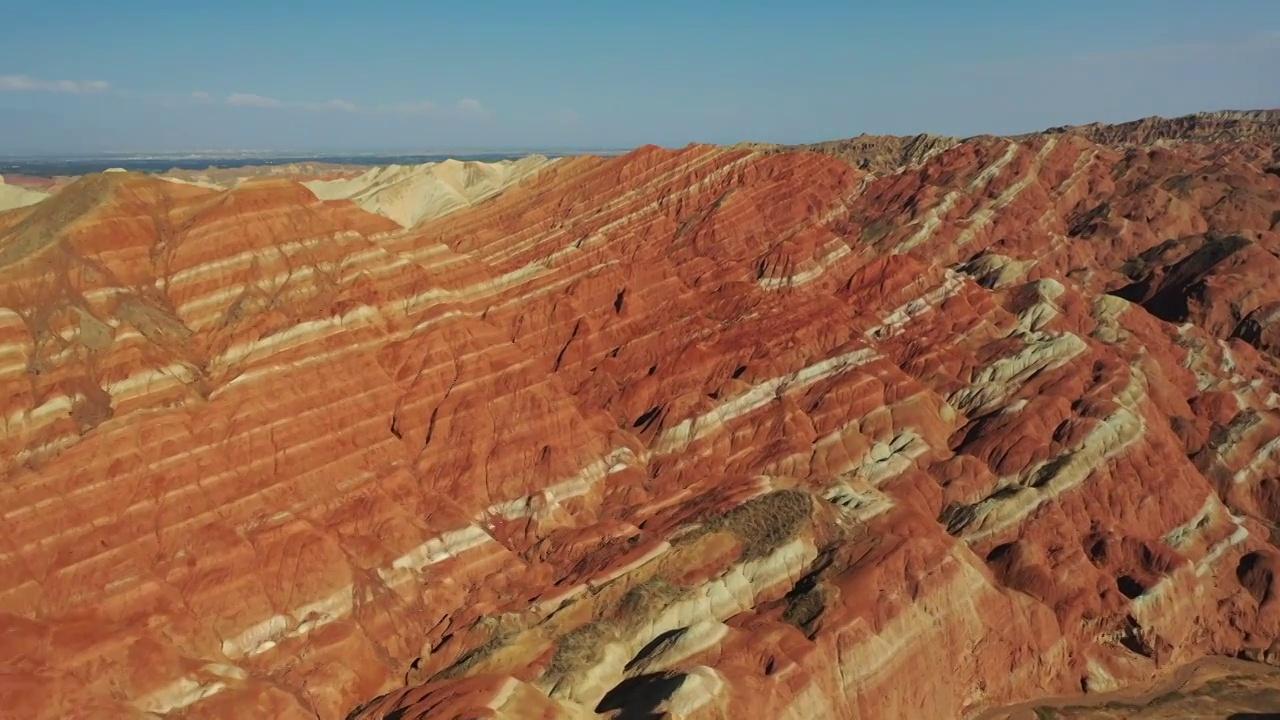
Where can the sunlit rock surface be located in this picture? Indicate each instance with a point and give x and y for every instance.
(707, 433)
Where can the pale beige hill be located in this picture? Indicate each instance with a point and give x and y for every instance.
(13, 196)
(409, 194)
(230, 177)
(187, 181)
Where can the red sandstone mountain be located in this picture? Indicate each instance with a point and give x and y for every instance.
(709, 433)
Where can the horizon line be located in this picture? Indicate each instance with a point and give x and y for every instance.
(223, 153)
(232, 153)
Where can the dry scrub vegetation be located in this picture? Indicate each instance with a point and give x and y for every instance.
(766, 523)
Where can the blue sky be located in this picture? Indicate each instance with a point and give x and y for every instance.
(131, 75)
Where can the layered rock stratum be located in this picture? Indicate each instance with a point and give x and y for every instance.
(699, 433)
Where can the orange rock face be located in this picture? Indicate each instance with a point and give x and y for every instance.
(706, 433)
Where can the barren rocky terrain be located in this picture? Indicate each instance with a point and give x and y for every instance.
(689, 434)
(1231, 126)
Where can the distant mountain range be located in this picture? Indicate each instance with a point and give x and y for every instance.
(881, 153)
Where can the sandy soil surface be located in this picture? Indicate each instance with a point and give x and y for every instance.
(15, 196)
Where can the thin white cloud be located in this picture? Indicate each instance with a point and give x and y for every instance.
(464, 109)
(472, 108)
(335, 105)
(251, 100)
(18, 83)
(568, 117)
(425, 107)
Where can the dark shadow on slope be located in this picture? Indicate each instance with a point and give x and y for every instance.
(638, 698)
(1168, 298)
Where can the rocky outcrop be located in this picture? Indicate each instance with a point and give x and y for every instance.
(881, 153)
(708, 433)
